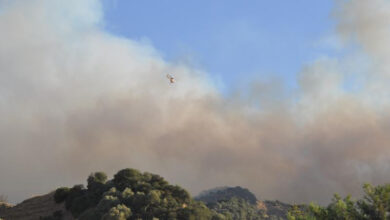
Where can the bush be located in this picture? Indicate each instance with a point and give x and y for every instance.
(374, 205)
(61, 194)
(127, 178)
(107, 202)
(96, 179)
(236, 208)
(119, 212)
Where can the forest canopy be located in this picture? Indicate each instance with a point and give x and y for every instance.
(133, 195)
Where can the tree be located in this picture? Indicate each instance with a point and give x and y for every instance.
(98, 178)
(340, 209)
(297, 213)
(375, 205)
(61, 194)
(236, 208)
(376, 202)
(131, 195)
(119, 212)
(127, 178)
(196, 210)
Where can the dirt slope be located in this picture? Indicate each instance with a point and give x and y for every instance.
(33, 209)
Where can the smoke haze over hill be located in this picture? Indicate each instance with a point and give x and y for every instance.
(75, 99)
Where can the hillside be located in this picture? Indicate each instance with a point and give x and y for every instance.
(134, 195)
(131, 195)
(226, 193)
(236, 199)
(33, 209)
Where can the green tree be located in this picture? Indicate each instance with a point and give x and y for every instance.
(297, 213)
(127, 178)
(195, 211)
(236, 208)
(97, 177)
(375, 205)
(96, 181)
(376, 202)
(119, 212)
(61, 194)
(338, 209)
(107, 202)
(132, 195)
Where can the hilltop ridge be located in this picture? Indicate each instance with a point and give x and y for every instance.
(34, 208)
(133, 195)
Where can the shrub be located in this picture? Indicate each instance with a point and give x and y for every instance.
(96, 179)
(127, 178)
(61, 194)
(119, 212)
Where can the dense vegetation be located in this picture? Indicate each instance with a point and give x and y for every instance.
(226, 193)
(131, 195)
(237, 203)
(236, 208)
(375, 205)
(134, 195)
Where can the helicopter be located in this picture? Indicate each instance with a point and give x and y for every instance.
(171, 78)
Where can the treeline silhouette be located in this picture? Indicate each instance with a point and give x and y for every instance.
(133, 195)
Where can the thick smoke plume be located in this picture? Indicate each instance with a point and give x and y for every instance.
(75, 99)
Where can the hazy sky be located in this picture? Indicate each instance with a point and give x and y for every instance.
(83, 88)
(230, 39)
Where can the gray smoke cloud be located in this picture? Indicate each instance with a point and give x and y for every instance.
(75, 99)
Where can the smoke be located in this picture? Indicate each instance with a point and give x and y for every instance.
(75, 99)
